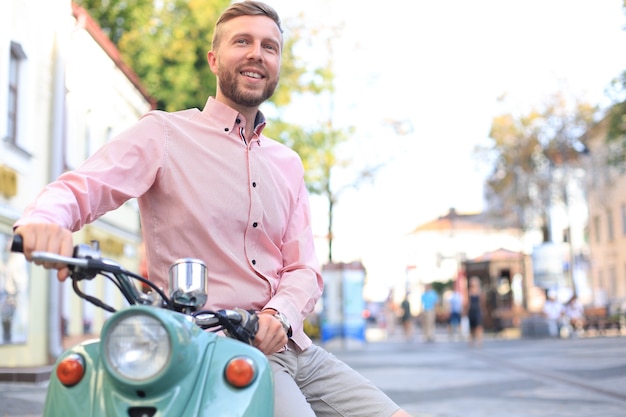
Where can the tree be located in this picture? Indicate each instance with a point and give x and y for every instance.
(317, 145)
(533, 157)
(169, 52)
(117, 17)
(616, 134)
(166, 43)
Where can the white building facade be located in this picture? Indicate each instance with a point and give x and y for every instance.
(607, 221)
(63, 93)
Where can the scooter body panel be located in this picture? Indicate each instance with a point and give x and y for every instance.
(192, 384)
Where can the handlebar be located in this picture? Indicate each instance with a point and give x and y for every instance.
(238, 323)
(17, 245)
(87, 264)
(91, 260)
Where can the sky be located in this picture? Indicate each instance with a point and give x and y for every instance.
(441, 68)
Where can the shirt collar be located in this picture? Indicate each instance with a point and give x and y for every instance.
(228, 116)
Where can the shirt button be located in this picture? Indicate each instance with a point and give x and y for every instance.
(226, 129)
(238, 121)
(255, 224)
(253, 262)
(254, 184)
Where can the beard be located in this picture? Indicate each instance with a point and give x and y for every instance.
(230, 88)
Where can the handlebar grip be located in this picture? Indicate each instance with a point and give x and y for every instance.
(18, 244)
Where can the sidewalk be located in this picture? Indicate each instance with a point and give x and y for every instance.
(507, 377)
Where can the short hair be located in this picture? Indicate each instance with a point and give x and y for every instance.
(244, 8)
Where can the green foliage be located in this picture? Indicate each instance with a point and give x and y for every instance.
(167, 47)
(317, 148)
(116, 17)
(166, 44)
(531, 156)
(441, 287)
(169, 52)
(292, 68)
(616, 134)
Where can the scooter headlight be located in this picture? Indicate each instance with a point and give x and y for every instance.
(137, 347)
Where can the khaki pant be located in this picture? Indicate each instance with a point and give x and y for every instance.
(315, 383)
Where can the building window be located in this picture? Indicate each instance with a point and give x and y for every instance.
(15, 64)
(609, 225)
(612, 284)
(624, 219)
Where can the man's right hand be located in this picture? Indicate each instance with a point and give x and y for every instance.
(270, 337)
(47, 237)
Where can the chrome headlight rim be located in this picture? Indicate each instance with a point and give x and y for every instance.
(136, 346)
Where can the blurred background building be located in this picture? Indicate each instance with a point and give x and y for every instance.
(65, 93)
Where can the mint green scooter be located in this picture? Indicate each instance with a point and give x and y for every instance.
(156, 357)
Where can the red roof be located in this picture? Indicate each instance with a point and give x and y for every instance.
(453, 221)
(498, 255)
(459, 221)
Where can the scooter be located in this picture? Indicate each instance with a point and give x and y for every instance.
(158, 356)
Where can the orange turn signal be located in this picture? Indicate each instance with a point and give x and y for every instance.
(71, 370)
(240, 372)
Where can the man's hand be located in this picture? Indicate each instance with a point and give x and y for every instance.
(271, 336)
(47, 237)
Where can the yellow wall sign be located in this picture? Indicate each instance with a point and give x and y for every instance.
(8, 181)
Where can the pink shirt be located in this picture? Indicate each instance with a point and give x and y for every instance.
(204, 192)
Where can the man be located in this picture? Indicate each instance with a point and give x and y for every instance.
(407, 318)
(553, 312)
(210, 185)
(456, 310)
(429, 316)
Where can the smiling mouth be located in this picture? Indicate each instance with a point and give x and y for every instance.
(251, 74)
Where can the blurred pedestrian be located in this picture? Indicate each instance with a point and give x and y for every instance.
(455, 303)
(574, 313)
(406, 318)
(391, 315)
(429, 315)
(474, 312)
(553, 312)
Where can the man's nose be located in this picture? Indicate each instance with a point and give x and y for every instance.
(255, 51)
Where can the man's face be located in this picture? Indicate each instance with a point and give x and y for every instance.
(247, 60)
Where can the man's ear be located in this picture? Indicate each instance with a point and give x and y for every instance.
(212, 60)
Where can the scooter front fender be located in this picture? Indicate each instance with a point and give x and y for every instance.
(199, 391)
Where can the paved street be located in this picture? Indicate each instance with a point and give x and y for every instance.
(583, 377)
(505, 378)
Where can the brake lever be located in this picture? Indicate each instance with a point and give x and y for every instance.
(247, 328)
